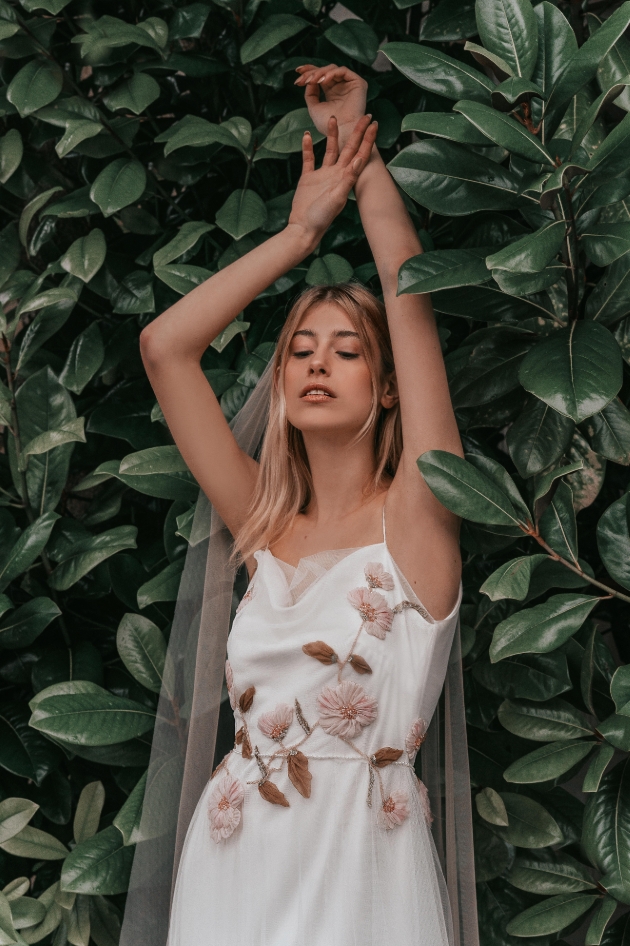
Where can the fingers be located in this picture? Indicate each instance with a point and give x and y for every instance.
(353, 144)
(332, 143)
(310, 73)
(365, 148)
(308, 155)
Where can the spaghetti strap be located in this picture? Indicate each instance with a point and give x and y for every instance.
(384, 530)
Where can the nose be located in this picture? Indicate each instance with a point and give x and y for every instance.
(318, 364)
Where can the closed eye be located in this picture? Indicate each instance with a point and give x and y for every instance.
(348, 354)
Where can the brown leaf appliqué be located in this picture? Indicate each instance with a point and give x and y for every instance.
(385, 756)
(238, 738)
(246, 699)
(246, 750)
(272, 793)
(359, 664)
(321, 651)
(299, 774)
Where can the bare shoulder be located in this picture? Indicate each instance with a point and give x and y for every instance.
(423, 538)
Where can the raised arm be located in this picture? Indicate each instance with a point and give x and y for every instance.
(172, 345)
(429, 553)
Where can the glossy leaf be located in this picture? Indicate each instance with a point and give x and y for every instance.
(532, 253)
(597, 767)
(606, 837)
(613, 541)
(36, 84)
(87, 553)
(118, 185)
(96, 718)
(465, 490)
(542, 628)
(504, 130)
(84, 359)
(86, 256)
(491, 807)
(27, 548)
(275, 29)
(441, 269)
(538, 437)
(134, 94)
(142, 648)
(558, 525)
(548, 762)
(551, 915)
(128, 818)
(544, 722)
(437, 72)
(530, 824)
(242, 212)
(354, 38)
(22, 626)
(610, 299)
(35, 844)
(99, 865)
(88, 811)
(509, 29)
(511, 580)
(286, 137)
(576, 371)
(15, 814)
(328, 270)
(550, 873)
(11, 151)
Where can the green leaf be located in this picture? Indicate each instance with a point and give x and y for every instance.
(530, 825)
(181, 277)
(620, 688)
(75, 133)
(597, 767)
(134, 94)
(445, 125)
(188, 21)
(434, 71)
(442, 269)
(27, 622)
(491, 807)
(31, 209)
(192, 131)
(576, 371)
(95, 718)
(15, 814)
(538, 437)
(229, 332)
(556, 44)
(88, 811)
(84, 359)
(508, 28)
(26, 912)
(28, 547)
(448, 179)
(153, 460)
(504, 130)
(87, 553)
(606, 837)
(606, 242)
(128, 818)
(328, 270)
(99, 865)
(354, 38)
(11, 150)
(142, 648)
(514, 91)
(543, 722)
(119, 184)
(551, 915)
(542, 628)
(134, 295)
(599, 921)
(511, 580)
(86, 256)
(241, 213)
(44, 299)
(36, 845)
(548, 762)
(466, 491)
(610, 299)
(36, 84)
(163, 587)
(544, 482)
(532, 253)
(72, 432)
(549, 873)
(590, 116)
(286, 136)
(449, 21)
(558, 526)
(613, 541)
(610, 158)
(275, 29)
(187, 237)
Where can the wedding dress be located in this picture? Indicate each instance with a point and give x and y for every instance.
(314, 830)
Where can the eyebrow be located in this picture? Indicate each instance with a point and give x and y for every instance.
(342, 333)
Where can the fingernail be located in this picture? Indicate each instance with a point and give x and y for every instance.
(369, 115)
(307, 132)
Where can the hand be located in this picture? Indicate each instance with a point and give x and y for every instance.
(345, 95)
(321, 195)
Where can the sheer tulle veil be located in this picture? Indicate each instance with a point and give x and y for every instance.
(187, 718)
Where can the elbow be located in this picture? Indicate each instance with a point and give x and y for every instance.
(152, 347)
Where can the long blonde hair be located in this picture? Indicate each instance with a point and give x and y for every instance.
(284, 487)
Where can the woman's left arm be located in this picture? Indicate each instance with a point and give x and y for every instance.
(428, 552)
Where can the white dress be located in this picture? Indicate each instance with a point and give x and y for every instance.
(314, 830)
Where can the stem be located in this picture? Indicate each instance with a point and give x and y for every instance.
(574, 289)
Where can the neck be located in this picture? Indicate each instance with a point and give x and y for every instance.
(341, 471)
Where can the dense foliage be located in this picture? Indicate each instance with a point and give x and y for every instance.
(146, 145)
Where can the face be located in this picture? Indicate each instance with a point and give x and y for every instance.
(327, 381)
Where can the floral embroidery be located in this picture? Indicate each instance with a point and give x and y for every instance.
(377, 577)
(247, 597)
(424, 801)
(224, 807)
(229, 679)
(377, 617)
(394, 810)
(415, 737)
(345, 709)
(276, 723)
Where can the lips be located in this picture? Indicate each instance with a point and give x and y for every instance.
(316, 393)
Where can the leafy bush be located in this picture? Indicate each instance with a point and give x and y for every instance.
(144, 151)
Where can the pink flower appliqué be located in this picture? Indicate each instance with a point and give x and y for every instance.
(247, 597)
(377, 577)
(415, 737)
(377, 617)
(394, 810)
(345, 709)
(224, 807)
(424, 801)
(276, 723)
(229, 679)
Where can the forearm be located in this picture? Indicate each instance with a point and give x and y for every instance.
(186, 329)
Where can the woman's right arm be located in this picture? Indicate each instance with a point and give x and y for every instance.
(172, 345)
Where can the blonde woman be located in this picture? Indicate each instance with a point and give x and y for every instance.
(314, 830)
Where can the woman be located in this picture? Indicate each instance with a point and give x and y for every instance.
(314, 829)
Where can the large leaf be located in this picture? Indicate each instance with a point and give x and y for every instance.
(354, 38)
(86, 256)
(576, 371)
(609, 432)
(84, 359)
(448, 179)
(543, 722)
(142, 648)
(610, 299)
(88, 811)
(22, 750)
(466, 491)
(549, 873)
(606, 837)
(538, 437)
(556, 44)
(558, 525)
(551, 915)
(606, 242)
(532, 253)
(511, 580)
(134, 94)
(242, 212)
(99, 865)
(542, 628)
(187, 237)
(613, 541)
(118, 185)
(508, 28)
(22, 626)
(530, 824)
(504, 130)
(275, 29)
(15, 814)
(442, 269)
(96, 718)
(87, 553)
(28, 547)
(287, 135)
(548, 762)
(128, 818)
(36, 84)
(445, 125)
(437, 72)
(35, 844)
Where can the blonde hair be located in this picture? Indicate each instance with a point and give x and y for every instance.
(284, 486)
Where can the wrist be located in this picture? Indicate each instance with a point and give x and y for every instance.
(303, 239)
